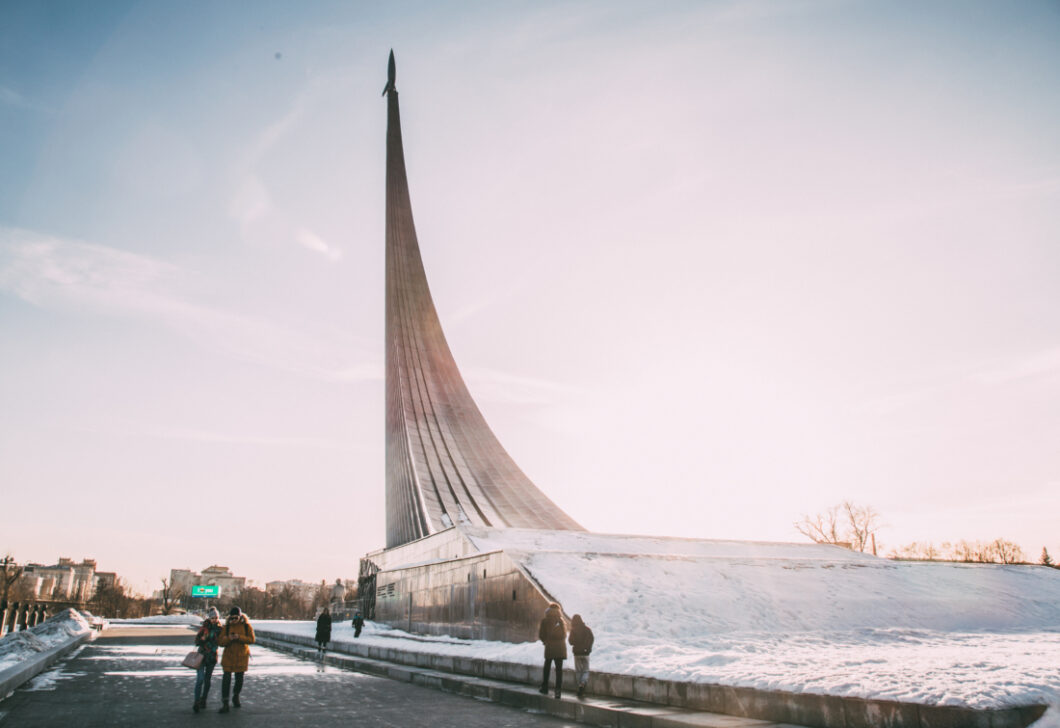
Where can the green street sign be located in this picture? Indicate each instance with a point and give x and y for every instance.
(206, 591)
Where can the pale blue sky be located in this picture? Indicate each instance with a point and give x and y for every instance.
(705, 267)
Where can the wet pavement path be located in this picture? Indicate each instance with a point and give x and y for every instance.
(131, 676)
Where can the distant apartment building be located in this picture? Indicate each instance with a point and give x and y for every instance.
(65, 581)
(182, 580)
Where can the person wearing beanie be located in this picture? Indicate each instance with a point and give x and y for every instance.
(236, 637)
(206, 642)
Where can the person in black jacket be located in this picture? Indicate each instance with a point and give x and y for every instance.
(554, 634)
(323, 630)
(581, 642)
(358, 624)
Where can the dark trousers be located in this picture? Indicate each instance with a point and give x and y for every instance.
(226, 683)
(559, 673)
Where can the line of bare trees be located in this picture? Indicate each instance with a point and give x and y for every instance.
(116, 601)
(998, 551)
(287, 603)
(856, 527)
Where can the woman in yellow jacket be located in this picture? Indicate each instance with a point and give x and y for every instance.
(236, 637)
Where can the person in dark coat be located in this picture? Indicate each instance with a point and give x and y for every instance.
(206, 642)
(581, 643)
(554, 634)
(358, 624)
(323, 630)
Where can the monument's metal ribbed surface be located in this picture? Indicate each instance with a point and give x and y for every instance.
(443, 463)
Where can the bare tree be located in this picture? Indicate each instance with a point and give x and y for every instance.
(1046, 559)
(171, 595)
(862, 524)
(846, 524)
(821, 527)
(321, 598)
(1005, 552)
(289, 603)
(12, 572)
(110, 600)
(254, 602)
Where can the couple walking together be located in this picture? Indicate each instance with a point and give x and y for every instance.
(553, 632)
(235, 636)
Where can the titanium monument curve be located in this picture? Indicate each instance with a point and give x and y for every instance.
(444, 465)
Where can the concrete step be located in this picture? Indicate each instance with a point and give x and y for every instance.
(612, 712)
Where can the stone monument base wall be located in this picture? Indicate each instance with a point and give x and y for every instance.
(480, 596)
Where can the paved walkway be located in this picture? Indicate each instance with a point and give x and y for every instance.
(131, 676)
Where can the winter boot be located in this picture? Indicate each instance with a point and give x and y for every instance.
(195, 707)
(235, 700)
(224, 707)
(581, 692)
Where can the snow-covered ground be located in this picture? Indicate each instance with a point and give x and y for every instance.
(27, 644)
(799, 617)
(805, 617)
(162, 619)
(978, 669)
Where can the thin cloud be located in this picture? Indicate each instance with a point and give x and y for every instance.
(89, 279)
(274, 133)
(311, 241)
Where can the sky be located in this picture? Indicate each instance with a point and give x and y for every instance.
(706, 267)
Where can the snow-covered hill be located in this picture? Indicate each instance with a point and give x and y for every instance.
(804, 617)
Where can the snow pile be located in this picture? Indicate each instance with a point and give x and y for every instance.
(24, 645)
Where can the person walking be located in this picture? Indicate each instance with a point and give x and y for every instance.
(236, 637)
(323, 631)
(358, 624)
(581, 642)
(206, 641)
(554, 634)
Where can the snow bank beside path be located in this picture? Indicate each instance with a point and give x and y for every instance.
(978, 670)
(17, 647)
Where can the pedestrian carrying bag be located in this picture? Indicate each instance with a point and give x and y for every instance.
(193, 660)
